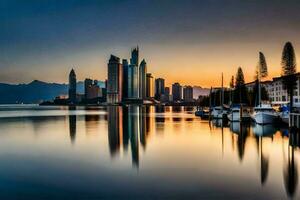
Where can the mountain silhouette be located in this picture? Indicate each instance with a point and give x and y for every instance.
(34, 92)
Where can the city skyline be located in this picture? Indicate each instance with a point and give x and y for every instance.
(192, 43)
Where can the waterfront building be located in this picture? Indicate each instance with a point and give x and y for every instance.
(72, 86)
(87, 83)
(142, 79)
(133, 82)
(114, 82)
(149, 85)
(188, 94)
(125, 79)
(92, 89)
(159, 88)
(177, 92)
(278, 94)
(133, 87)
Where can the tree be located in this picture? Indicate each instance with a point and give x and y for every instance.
(288, 65)
(231, 84)
(261, 72)
(261, 68)
(240, 92)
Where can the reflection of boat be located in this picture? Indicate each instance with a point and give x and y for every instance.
(235, 114)
(219, 123)
(264, 114)
(204, 114)
(263, 130)
(238, 128)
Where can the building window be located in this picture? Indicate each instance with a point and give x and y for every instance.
(283, 98)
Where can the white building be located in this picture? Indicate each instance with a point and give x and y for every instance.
(277, 94)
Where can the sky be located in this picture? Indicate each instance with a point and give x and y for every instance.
(186, 41)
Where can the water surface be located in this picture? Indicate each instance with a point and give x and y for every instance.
(141, 152)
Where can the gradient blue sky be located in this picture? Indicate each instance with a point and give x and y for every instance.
(182, 40)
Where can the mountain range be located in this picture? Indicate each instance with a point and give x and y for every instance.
(34, 92)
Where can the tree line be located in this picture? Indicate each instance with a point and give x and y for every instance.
(237, 93)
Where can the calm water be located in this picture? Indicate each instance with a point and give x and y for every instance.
(141, 152)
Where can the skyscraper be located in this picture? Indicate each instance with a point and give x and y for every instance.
(72, 86)
(142, 79)
(135, 56)
(133, 82)
(149, 85)
(133, 75)
(87, 84)
(125, 79)
(159, 87)
(114, 82)
(188, 94)
(176, 92)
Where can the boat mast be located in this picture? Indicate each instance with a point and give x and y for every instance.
(222, 97)
(259, 88)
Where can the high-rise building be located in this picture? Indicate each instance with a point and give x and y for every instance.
(72, 86)
(159, 88)
(87, 84)
(142, 79)
(133, 75)
(149, 85)
(188, 94)
(125, 78)
(114, 82)
(176, 92)
(133, 82)
(91, 89)
(135, 56)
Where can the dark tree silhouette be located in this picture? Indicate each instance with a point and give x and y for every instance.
(240, 92)
(288, 64)
(261, 68)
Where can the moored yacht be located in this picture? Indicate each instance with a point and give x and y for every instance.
(235, 114)
(264, 114)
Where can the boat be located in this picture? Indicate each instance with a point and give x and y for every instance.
(219, 112)
(264, 114)
(235, 114)
(204, 114)
(284, 114)
(263, 130)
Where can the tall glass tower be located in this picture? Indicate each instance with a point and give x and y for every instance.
(72, 86)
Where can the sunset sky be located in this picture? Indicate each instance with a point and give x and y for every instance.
(184, 41)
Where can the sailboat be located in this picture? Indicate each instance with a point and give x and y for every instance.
(238, 114)
(219, 112)
(263, 113)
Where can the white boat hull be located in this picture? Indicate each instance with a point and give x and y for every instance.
(264, 117)
(236, 117)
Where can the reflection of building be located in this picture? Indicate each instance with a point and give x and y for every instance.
(149, 85)
(114, 82)
(72, 86)
(114, 129)
(142, 79)
(176, 92)
(159, 88)
(132, 124)
(188, 94)
(72, 127)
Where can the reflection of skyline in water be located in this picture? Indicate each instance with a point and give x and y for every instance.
(133, 136)
(132, 124)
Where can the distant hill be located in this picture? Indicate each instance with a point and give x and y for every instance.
(34, 92)
(199, 91)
